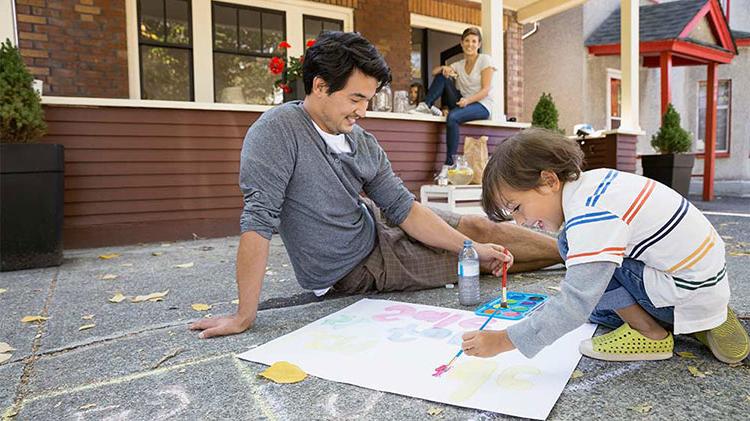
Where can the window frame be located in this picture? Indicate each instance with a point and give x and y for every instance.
(165, 44)
(612, 74)
(320, 18)
(719, 153)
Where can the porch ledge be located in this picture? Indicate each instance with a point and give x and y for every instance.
(187, 105)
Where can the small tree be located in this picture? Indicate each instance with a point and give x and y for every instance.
(545, 114)
(671, 138)
(21, 117)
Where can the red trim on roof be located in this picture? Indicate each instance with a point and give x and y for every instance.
(688, 51)
(719, 26)
(742, 42)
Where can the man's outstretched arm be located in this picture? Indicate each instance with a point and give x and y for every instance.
(252, 256)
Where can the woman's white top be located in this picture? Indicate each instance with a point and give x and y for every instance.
(471, 83)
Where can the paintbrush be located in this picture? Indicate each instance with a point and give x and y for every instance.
(444, 368)
(504, 299)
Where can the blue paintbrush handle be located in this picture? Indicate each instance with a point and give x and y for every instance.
(481, 328)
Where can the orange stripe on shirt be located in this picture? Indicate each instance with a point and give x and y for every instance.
(635, 207)
(700, 257)
(693, 254)
(621, 251)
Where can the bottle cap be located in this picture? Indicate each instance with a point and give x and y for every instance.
(467, 243)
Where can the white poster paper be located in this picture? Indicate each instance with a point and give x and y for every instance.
(395, 347)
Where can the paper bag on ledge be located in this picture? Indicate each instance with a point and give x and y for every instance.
(475, 151)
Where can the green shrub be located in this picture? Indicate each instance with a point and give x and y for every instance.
(21, 116)
(671, 138)
(545, 114)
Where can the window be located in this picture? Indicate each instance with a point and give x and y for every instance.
(723, 113)
(314, 25)
(165, 49)
(418, 55)
(245, 39)
(614, 99)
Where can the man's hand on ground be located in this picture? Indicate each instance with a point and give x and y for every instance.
(221, 326)
(492, 256)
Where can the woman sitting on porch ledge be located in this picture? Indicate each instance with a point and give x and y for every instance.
(468, 98)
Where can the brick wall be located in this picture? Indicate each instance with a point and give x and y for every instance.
(386, 24)
(513, 66)
(77, 47)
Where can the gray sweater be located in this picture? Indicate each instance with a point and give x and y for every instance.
(292, 182)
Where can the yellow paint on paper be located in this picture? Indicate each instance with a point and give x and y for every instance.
(510, 378)
(471, 374)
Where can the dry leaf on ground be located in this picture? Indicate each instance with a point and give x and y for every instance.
(184, 265)
(643, 408)
(108, 256)
(31, 319)
(127, 265)
(687, 355)
(2, 290)
(434, 411)
(87, 406)
(201, 307)
(695, 372)
(155, 296)
(157, 253)
(167, 356)
(4, 358)
(236, 301)
(576, 374)
(86, 327)
(284, 372)
(740, 253)
(117, 298)
(4, 347)
(109, 277)
(88, 317)
(555, 288)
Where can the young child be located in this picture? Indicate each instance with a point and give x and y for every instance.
(640, 258)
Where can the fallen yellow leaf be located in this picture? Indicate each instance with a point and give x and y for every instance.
(87, 406)
(166, 244)
(4, 358)
(740, 253)
(434, 411)
(155, 296)
(4, 347)
(109, 277)
(118, 298)
(555, 288)
(30, 319)
(687, 355)
(157, 253)
(86, 327)
(88, 317)
(2, 290)
(284, 372)
(108, 256)
(695, 372)
(236, 301)
(201, 307)
(127, 265)
(643, 408)
(576, 374)
(184, 265)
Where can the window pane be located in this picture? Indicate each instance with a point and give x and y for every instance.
(250, 31)
(178, 22)
(333, 26)
(240, 79)
(722, 120)
(165, 73)
(273, 31)
(312, 28)
(225, 27)
(152, 20)
(723, 97)
(416, 54)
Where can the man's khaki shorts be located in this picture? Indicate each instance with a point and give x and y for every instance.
(399, 262)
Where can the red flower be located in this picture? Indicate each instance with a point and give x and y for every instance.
(310, 43)
(276, 65)
(284, 45)
(284, 87)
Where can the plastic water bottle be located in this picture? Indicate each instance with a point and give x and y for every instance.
(468, 275)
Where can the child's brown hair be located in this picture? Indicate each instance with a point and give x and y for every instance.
(518, 162)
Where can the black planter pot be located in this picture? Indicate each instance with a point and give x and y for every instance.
(31, 205)
(672, 170)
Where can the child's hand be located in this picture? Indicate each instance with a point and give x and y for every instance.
(486, 343)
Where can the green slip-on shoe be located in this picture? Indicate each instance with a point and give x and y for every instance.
(729, 341)
(627, 344)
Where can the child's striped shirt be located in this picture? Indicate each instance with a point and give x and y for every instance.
(611, 215)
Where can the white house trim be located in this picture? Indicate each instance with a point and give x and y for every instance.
(8, 21)
(203, 83)
(437, 24)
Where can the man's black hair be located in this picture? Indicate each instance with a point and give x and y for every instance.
(335, 55)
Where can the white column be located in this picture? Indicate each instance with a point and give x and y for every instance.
(203, 67)
(630, 63)
(492, 44)
(8, 22)
(134, 79)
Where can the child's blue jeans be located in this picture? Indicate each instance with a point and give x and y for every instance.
(456, 115)
(625, 289)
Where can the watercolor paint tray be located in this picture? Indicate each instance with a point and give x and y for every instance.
(520, 304)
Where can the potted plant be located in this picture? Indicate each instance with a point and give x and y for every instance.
(545, 114)
(31, 174)
(673, 166)
(291, 72)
